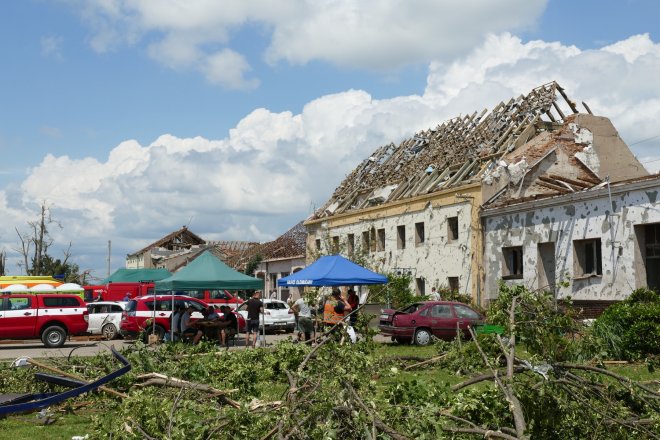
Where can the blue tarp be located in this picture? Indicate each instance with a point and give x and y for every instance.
(332, 270)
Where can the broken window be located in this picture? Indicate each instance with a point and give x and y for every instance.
(419, 233)
(452, 229)
(420, 286)
(380, 245)
(513, 262)
(588, 257)
(335, 244)
(372, 240)
(350, 244)
(365, 241)
(453, 283)
(318, 244)
(401, 237)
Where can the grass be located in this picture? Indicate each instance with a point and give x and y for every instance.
(27, 426)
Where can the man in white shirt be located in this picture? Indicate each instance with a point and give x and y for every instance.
(304, 312)
(434, 296)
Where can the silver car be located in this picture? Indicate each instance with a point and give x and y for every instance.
(104, 318)
(277, 315)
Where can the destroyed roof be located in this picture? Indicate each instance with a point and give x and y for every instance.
(176, 241)
(455, 153)
(229, 250)
(291, 244)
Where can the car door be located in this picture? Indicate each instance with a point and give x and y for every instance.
(94, 318)
(466, 317)
(443, 321)
(20, 316)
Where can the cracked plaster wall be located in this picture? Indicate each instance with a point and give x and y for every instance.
(623, 269)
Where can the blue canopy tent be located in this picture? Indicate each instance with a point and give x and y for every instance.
(332, 270)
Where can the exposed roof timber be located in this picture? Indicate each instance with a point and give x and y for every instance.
(459, 150)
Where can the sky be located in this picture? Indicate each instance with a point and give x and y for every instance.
(132, 118)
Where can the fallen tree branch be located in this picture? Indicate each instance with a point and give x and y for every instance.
(618, 377)
(168, 381)
(481, 378)
(427, 361)
(380, 425)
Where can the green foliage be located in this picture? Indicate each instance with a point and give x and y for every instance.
(542, 326)
(629, 329)
(253, 263)
(397, 292)
(454, 295)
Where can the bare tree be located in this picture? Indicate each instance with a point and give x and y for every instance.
(34, 244)
(3, 262)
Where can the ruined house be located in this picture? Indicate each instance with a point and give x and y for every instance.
(416, 207)
(180, 247)
(575, 213)
(277, 259)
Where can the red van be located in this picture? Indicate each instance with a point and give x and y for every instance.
(215, 297)
(51, 317)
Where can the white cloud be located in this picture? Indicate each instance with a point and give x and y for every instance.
(371, 34)
(268, 172)
(51, 46)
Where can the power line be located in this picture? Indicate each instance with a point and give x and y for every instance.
(644, 140)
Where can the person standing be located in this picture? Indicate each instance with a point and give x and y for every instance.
(335, 309)
(434, 296)
(127, 297)
(354, 302)
(304, 313)
(254, 310)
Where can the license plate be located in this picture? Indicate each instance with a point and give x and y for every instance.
(384, 317)
(280, 323)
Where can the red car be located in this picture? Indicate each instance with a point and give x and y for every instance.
(141, 312)
(50, 317)
(422, 321)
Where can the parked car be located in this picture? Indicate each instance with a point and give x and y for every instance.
(276, 315)
(422, 321)
(152, 313)
(51, 317)
(105, 318)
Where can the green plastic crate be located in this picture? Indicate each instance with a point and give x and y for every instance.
(489, 329)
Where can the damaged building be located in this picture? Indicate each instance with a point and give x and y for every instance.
(573, 212)
(416, 207)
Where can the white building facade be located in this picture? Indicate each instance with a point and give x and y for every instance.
(594, 246)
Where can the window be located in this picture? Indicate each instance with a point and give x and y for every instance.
(421, 286)
(372, 240)
(513, 262)
(441, 311)
(350, 244)
(199, 294)
(195, 305)
(380, 244)
(419, 233)
(401, 237)
(218, 294)
(453, 284)
(116, 309)
(365, 241)
(452, 229)
(588, 257)
(61, 302)
(18, 303)
(162, 305)
(318, 244)
(335, 244)
(276, 306)
(465, 312)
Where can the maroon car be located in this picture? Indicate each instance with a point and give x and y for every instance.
(421, 321)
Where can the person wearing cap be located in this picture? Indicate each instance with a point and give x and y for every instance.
(335, 309)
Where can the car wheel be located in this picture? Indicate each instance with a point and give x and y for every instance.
(158, 331)
(422, 337)
(54, 336)
(109, 331)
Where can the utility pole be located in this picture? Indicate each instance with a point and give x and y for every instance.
(109, 253)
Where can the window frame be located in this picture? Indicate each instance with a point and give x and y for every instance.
(513, 262)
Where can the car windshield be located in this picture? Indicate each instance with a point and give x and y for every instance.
(276, 306)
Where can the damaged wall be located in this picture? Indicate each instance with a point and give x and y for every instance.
(438, 258)
(547, 231)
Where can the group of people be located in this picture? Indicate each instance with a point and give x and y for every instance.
(215, 324)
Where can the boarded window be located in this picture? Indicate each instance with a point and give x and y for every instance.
(588, 257)
(452, 229)
(453, 284)
(419, 233)
(380, 245)
(401, 237)
(513, 262)
(420, 286)
(335, 244)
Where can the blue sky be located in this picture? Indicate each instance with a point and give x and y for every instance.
(208, 88)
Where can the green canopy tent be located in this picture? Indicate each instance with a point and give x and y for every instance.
(207, 272)
(137, 276)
